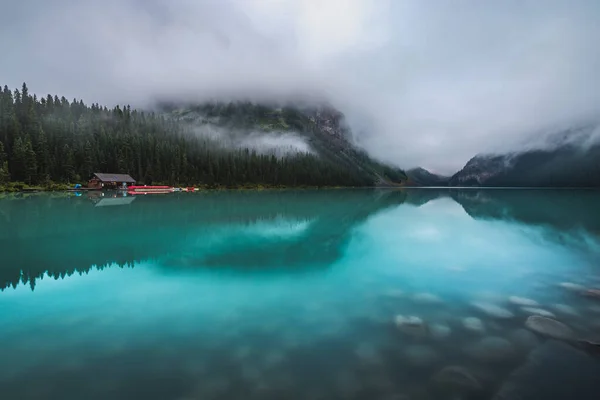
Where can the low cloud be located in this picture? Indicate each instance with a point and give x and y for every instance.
(274, 143)
(422, 83)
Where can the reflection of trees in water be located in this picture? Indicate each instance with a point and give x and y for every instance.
(63, 236)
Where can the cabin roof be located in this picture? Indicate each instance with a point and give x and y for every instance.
(104, 177)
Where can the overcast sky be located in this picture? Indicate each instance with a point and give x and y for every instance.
(426, 83)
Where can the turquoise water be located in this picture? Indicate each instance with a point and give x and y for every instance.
(285, 294)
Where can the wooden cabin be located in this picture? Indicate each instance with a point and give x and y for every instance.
(101, 180)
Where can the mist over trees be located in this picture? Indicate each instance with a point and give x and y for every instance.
(52, 139)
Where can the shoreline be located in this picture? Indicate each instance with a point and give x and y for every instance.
(200, 188)
(19, 188)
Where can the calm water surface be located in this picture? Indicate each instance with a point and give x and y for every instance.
(288, 294)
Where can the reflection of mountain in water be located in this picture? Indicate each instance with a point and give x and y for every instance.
(564, 210)
(271, 229)
(569, 217)
(61, 236)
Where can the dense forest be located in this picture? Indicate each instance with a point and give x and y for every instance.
(54, 140)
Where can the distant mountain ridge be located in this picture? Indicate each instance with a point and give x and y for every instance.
(421, 177)
(569, 158)
(322, 129)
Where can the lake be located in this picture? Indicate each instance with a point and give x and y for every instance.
(349, 294)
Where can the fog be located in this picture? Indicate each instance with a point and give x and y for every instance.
(421, 83)
(275, 143)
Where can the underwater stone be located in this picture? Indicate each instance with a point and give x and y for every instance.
(595, 308)
(421, 356)
(492, 348)
(593, 293)
(473, 324)
(457, 377)
(566, 309)
(251, 373)
(493, 310)
(523, 301)
(439, 331)
(274, 358)
(538, 311)
(428, 298)
(524, 339)
(552, 371)
(367, 352)
(411, 325)
(549, 327)
(347, 384)
(572, 286)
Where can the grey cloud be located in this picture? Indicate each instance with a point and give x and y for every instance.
(423, 83)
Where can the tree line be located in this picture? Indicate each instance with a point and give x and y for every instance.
(51, 139)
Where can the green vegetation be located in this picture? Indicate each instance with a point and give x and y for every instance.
(50, 141)
(322, 128)
(24, 187)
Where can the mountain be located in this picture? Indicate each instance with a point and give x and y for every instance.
(50, 142)
(569, 158)
(273, 129)
(422, 177)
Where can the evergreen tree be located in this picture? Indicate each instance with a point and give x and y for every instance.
(88, 163)
(54, 139)
(30, 162)
(43, 156)
(4, 174)
(67, 170)
(18, 163)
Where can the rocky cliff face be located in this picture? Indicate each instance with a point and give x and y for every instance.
(480, 169)
(330, 122)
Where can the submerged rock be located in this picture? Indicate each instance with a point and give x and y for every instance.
(538, 311)
(550, 327)
(214, 388)
(242, 353)
(593, 293)
(411, 325)
(492, 348)
(274, 358)
(565, 309)
(421, 356)
(251, 373)
(473, 324)
(552, 371)
(457, 377)
(439, 331)
(368, 353)
(522, 301)
(347, 384)
(575, 287)
(595, 308)
(524, 339)
(493, 310)
(427, 298)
